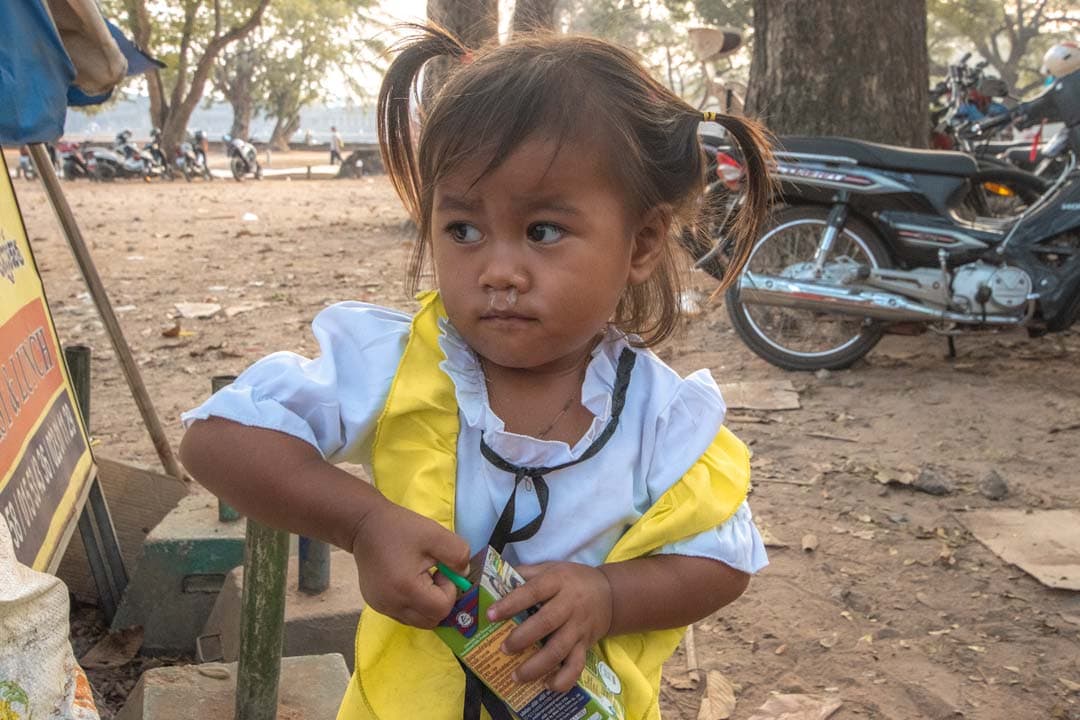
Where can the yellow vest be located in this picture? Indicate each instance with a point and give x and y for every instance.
(404, 672)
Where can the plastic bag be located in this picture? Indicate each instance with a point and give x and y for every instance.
(39, 677)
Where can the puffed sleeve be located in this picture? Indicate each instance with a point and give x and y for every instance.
(332, 401)
(684, 430)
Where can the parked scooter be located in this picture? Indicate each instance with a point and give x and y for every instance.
(243, 158)
(868, 235)
(159, 164)
(972, 97)
(123, 160)
(192, 163)
(72, 161)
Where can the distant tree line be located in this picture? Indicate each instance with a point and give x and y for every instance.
(829, 66)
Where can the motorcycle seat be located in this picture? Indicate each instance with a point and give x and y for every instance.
(885, 157)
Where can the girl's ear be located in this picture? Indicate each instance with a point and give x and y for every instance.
(649, 241)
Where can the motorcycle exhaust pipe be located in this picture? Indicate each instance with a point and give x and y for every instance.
(861, 302)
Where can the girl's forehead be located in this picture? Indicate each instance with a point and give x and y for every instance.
(539, 163)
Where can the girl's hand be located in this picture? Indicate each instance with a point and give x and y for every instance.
(575, 611)
(395, 549)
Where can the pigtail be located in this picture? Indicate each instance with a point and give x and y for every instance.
(754, 146)
(396, 143)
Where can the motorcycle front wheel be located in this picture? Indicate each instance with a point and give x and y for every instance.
(238, 168)
(796, 339)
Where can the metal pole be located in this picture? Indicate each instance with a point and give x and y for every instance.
(78, 365)
(101, 300)
(225, 512)
(314, 566)
(262, 622)
(95, 523)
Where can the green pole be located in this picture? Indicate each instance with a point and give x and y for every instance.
(225, 512)
(262, 622)
(78, 364)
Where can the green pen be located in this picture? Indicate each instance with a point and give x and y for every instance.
(462, 584)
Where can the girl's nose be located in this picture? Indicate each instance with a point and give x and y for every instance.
(504, 269)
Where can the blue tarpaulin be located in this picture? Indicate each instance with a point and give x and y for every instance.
(37, 76)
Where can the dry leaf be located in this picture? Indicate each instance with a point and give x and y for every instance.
(809, 542)
(682, 681)
(796, 707)
(192, 310)
(719, 700)
(115, 649)
(171, 332)
(1070, 685)
(770, 540)
(829, 641)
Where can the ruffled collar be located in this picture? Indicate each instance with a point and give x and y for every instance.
(463, 367)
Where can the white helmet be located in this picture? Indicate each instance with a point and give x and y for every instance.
(1062, 59)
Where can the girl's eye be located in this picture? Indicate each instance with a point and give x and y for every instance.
(545, 233)
(464, 233)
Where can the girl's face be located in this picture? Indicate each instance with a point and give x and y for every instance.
(549, 224)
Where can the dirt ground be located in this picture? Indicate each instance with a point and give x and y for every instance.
(898, 613)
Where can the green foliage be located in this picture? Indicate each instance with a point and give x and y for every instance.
(1011, 34)
(658, 32)
(180, 30)
(298, 54)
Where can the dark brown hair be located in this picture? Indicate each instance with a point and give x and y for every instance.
(569, 88)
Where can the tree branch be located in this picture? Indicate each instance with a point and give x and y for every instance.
(206, 62)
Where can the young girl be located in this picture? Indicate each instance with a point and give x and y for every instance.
(520, 407)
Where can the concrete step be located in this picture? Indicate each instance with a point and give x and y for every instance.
(310, 688)
(177, 578)
(314, 624)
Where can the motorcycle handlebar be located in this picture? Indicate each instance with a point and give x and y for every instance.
(994, 122)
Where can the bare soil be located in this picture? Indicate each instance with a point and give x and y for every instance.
(899, 612)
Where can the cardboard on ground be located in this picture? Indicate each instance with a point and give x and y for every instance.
(1042, 543)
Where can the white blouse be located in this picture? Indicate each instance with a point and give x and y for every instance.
(334, 401)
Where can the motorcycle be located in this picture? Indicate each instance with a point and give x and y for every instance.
(158, 163)
(123, 160)
(871, 235)
(73, 161)
(1004, 187)
(191, 163)
(243, 158)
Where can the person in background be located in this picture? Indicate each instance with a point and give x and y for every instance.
(335, 146)
(25, 169)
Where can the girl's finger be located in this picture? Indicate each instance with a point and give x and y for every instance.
(570, 672)
(535, 629)
(450, 549)
(432, 602)
(533, 592)
(547, 659)
(415, 618)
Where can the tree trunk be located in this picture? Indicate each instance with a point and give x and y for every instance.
(474, 22)
(171, 116)
(533, 16)
(835, 67)
(243, 108)
(283, 130)
(234, 78)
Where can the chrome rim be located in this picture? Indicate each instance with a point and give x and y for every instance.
(804, 333)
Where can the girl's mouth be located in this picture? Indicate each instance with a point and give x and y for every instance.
(504, 315)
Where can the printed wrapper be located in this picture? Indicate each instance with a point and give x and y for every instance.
(476, 641)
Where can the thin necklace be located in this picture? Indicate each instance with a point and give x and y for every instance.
(565, 408)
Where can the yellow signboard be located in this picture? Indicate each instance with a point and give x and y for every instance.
(45, 462)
